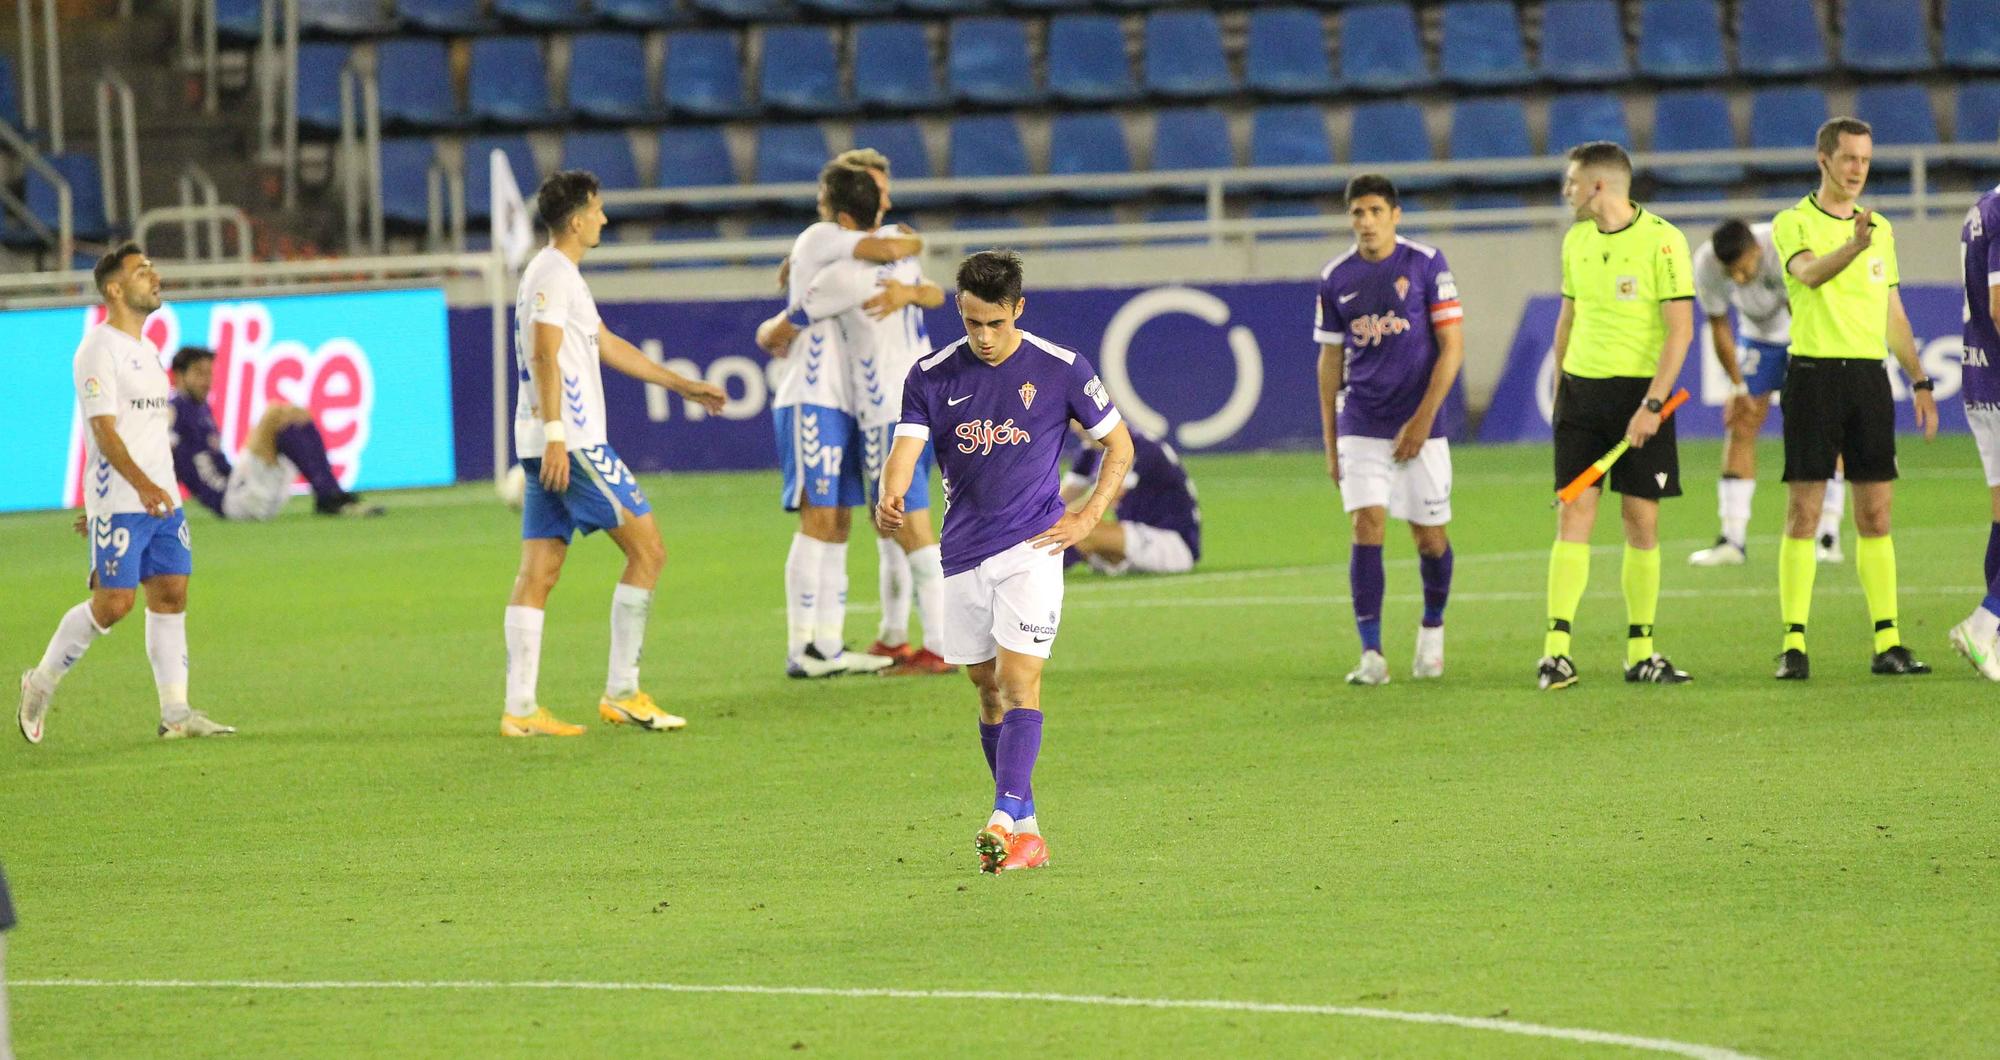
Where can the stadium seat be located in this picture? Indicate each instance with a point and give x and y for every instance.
(1681, 40)
(1885, 37)
(1779, 38)
(644, 14)
(1184, 56)
(1092, 142)
(744, 10)
(544, 14)
(608, 154)
(851, 8)
(1693, 193)
(801, 75)
(1694, 119)
(1978, 114)
(1379, 49)
(1083, 217)
(86, 196)
(320, 64)
(1391, 131)
(1177, 213)
(1490, 200)
(10, 105)
(1582, 42)
(510, 82)
(1287, 54)
(457, 17)
(1290, 134)
(1191, 138)
(688, 231)
(479, 171)
(909, 159)
(1046, 6)
(607, 80)
(406, 164)
(1901, 116)
(1482, 45)
(944, 8)
(988, 145)
(239, 20)
(790, 153)
(786, 228)
(892, 67)
(704, 74)
(353, 18)
(989, 63)
(419, 96)
(1972, 34)
(1786, 117)
(1494, 127)
(695, 156)
(1289, 208)
(1087, 61)
(1580, 117)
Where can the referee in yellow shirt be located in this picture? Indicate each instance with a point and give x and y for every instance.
(1627, 317)
(1841, 277)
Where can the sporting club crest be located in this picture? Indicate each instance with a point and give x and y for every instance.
(1027, 395)
(1402, 287)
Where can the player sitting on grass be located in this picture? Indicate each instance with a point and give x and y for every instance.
(1158, 529)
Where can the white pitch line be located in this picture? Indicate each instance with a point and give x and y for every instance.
(1512, 596)
(1477, 1023)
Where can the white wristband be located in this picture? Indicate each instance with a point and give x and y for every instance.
(1739, 390)
(552, 431)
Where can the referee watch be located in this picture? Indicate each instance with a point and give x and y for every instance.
(1654, 405)
(1926, 383)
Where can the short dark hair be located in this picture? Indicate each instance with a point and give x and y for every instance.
(991, 276)
(110, 263)
(1732, 240)
(189, 356)
(1828, 140)
(564, 193)
(852, 190)
(1602, 153)
(1372, 184)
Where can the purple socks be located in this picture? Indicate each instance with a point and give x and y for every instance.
(302, 445)
(989, 741)
(1436, 572)
(1014, 762)
(1992, 601)
(1364, 579)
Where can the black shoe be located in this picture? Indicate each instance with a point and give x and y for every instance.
(347, 504)
(1555, 673)
(1656, 671)
(1792, 666)
(1897, 660)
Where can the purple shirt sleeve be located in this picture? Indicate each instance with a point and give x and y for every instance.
(916, 418)
(1328, 327)
(1089, 403)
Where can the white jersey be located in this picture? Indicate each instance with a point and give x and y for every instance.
(120, 376)
(879, 353)
(814, 373)
(553, 292)
(1762, 311)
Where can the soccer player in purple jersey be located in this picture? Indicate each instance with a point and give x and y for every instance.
(999, 401)
(1976, 637)
(1158, 529)
(1390, 349)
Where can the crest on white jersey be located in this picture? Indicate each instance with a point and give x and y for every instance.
(1027, 395)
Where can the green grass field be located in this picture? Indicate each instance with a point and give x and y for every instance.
(1779, 870)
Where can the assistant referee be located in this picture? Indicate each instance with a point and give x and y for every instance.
(1841, 279)
(1627, 317)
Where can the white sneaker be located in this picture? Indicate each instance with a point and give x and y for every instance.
(1982, 652)
(1723, 553)
(1829, 548)
(860, 662)
(35, 702)
(196, 724)
(1373, 670)
(810, 663)
(1430, 652)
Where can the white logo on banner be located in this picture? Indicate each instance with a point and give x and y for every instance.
(1161, 301)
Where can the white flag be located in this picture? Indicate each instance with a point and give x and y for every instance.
(513, 229)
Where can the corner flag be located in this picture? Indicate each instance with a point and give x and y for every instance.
(513, 228)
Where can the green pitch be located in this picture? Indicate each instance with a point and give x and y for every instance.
(1778, 870)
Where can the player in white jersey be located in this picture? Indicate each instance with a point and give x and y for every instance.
(575, 480)
(138, 533)
(1738, 268)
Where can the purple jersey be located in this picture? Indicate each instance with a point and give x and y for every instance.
(1981, 236)
(199, 461)
(1158, 491)
(998, 433)
(1382, 315)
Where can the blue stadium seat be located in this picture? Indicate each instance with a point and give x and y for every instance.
(1184, 56)
(1082, 217)
(942, 8)
(1046, 6)
(239, 20)
(1390, 131)
(544, 14)
(354, 18)
(1580, 117)
(10, 107)
(1779, 38)
(510, 82)
(479, 171)
(1087, 62)
(786, 228)
(1191, 138)
(1978, 113)
(1290, 134)
(988, 145)
(1379, 49)
(1490, 200)
(851, 8)
(790, 153)
(1582, 42)
(419, 96)
(1695, 193)
(989, 63)
(1179, 212)
(644, 14)
(406, 165)
(1287, 55)
(695, 156)
(86, 196)
(800, 74)
(1494, 127)
(607, 80)
(704, 74)
(1695, 119)
(1900, 115)
(1786, 117)
(320, 64)
(1482, 45)
(744, 10)
(1091, 142)
(689, 230)
(608, 154)
(1288, 208)
(892, 67)
(1885, 37)
(1681, 40)
(458, 17)
(1972, 34)
(909, 159)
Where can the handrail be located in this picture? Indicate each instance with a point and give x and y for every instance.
(213, 213)
(194, 179)
(110, 86)
(444, 208)
(65, 209)
(206, 62)
(266, 64)
(361, 154)
(291, 161)
(51, 61)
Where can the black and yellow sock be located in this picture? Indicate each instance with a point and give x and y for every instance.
(1569, 572)
(1797, 564)
(1875, 560)
(1641, 579)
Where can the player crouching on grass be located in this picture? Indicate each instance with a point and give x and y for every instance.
(1000, 400)
(1158, 529)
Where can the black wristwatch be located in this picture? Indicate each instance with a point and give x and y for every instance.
(1924, 384)
(1654, 405)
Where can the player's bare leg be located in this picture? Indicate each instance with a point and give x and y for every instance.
(1434, 562)
(1738, 483)
(1640, 577)
(541, 566)
(631, 606)
(1978, 637)
(1010, 697)
(1366, 585)
(1104, 548)
(917, 542)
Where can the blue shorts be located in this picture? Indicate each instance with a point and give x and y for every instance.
(130, 548)
(875, 457)
(819, 452)
(602, 494)
(1763, 365)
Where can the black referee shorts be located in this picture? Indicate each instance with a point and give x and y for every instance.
(1838, 408)
(1591, 417)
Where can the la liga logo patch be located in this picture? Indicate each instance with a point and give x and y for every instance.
(92, 388)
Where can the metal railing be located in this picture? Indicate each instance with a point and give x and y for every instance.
(116, 169)
(188, 216)
(195, 182)
(63, 237)
(199, 53)
(278, 75)
(360, 156)
(33, 114)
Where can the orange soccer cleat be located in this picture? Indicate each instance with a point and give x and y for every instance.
(1025, 851)
(991, 843)
(540, 723)
(901, 653)
(921, 663)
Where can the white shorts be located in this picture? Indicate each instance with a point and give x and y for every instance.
(257, 491)
(1985, 425)
(1012, 601)
(1149, 550)
(1417, 491)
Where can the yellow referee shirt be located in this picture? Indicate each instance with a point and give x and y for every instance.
(1616, 282)
(1847, 316)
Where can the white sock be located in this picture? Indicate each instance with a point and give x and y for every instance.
(1733, 497)
(894, 578)
(630, 607)
(73, 637)
(1830, 510)
(1027, 826)
(167, 650)
(927, 575)
(1000, 818)
(801, 591)
(524, 658)
(1985, 624)
(830, 608)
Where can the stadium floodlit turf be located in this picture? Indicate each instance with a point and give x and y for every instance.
(1780, 870)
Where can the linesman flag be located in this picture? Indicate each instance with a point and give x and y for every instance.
(513, 225)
